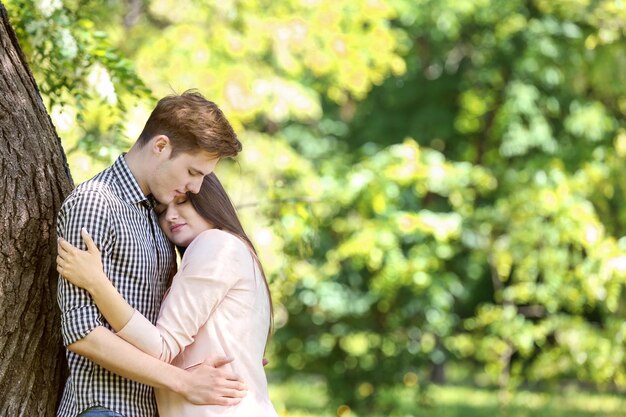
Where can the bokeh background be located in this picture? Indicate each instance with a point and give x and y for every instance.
(436, 187)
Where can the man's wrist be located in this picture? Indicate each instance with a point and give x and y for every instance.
(178, 382)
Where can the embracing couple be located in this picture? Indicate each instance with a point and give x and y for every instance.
(131, 319)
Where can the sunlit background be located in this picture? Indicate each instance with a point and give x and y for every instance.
(436, 187)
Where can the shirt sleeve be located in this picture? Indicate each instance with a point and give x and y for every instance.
(212, 265)
(88, 209)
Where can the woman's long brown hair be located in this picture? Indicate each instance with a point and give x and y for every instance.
(214, 205)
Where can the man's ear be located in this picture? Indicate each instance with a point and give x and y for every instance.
(160, 144)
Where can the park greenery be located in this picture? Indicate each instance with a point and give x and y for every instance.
(436, 187)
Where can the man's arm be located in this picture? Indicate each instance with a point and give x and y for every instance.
(81, 322)
(209, 383)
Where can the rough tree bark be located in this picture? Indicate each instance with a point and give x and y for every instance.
(34, 179)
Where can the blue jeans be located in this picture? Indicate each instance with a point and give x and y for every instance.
(99, 412)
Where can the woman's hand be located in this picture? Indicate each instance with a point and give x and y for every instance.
(82, 268)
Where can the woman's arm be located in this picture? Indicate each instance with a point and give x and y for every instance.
(84, 269)
(211, 266)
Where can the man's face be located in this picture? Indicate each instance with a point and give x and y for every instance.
(176, 176)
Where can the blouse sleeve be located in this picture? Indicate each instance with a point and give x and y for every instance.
(211, 266)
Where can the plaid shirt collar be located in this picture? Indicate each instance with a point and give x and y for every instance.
(130, 190)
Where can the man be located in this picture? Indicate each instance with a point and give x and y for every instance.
(182, 141)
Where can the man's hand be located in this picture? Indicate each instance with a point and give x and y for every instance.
(212, 383)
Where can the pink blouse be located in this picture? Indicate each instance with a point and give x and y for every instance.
(217, 306)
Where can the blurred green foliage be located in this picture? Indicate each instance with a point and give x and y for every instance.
(434, 185)
(451, 401)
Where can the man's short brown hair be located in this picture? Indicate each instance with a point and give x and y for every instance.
(192, 123)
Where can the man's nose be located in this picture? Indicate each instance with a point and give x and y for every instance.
(194, 186)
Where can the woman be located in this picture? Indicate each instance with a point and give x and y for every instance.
(218, 304)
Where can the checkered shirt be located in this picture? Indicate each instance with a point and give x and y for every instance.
(137, 258)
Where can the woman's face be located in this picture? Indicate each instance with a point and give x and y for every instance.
(180, 221)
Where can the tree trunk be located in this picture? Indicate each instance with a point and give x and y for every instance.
(34, 179)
